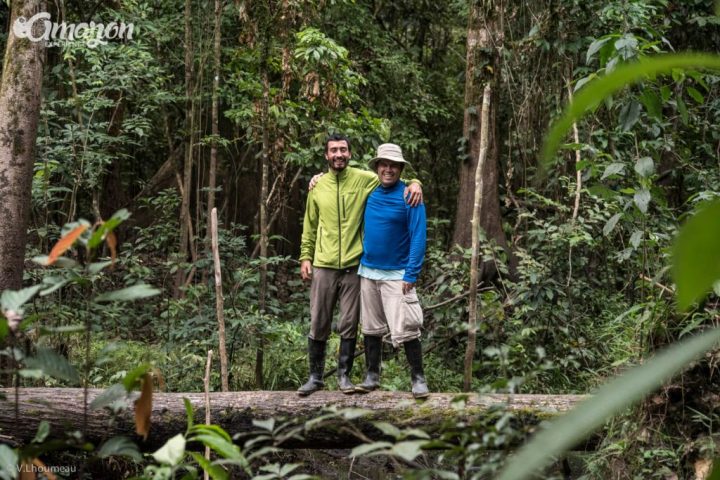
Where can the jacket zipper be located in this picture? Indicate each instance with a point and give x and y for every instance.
(339, 223)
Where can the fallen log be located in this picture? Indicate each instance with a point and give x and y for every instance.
(63, 409)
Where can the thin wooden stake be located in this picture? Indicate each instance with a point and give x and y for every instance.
(206, 381)
(474, 274)
(219, 301)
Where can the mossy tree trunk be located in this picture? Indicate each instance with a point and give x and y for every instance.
(484, 38)
(62, 408)
(20, 93)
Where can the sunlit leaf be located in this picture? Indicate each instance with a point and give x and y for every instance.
(408, 450)
(645, 166)
(65, 243)
(696, 255)
(13, 300)
(172, 452)
(8, 461)
(613, 169)
(598, 90)
(366, 448)
(143, 407)
(128, 294)
(610, 225)
(567, 430)
(642, 199)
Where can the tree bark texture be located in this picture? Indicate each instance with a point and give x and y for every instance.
(20, 93)
(62, 408)
(482, 67)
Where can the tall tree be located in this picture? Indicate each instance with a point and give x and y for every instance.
(484, 35)
(20, 93)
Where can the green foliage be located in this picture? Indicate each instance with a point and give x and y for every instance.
(697, 256)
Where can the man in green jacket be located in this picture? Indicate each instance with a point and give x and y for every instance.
(330, 254)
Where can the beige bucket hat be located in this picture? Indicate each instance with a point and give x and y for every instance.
(388, 151)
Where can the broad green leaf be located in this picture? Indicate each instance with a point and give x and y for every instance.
(62, 262)
(97, 267)
(595, 47)
(99, 235)
(610, 225)
(53, 283)
(387, 429)
(642, 199)
(42, 432)
(651, 102)
(600, 89)
(120, 446)
(132, 378)
(682, 110)
(109, 396)
(408, 450)
(621, 392)
(189, 413)
(13, 300)
(8, 462)
(696, 255)
(211, 430)
(216, 472)
(53, 365)
(172, 452)
(366, 448)
(695, 94)
(629, 116)
(645, 166)
(222, 447)
(613, 169)
(636, 238)
(128, 294)
(4, 327)
(353, 413)
(268, 424)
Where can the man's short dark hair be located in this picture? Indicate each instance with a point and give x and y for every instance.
(337, 137)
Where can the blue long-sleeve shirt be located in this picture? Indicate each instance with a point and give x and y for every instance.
(395, 233)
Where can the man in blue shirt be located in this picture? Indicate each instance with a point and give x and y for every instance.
(393, 251)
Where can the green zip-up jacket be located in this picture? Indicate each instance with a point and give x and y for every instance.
(332, 228)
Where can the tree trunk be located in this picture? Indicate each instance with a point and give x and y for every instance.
(185, 235)
(62, 408)
(483, 35)
(20, 93)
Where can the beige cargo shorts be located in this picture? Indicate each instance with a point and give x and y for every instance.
(384, 308)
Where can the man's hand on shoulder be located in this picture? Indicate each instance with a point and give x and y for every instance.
(314, 180)
(413, 195)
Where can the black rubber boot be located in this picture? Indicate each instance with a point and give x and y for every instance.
(316, 357)
(373, 354)
(345, 363)
(413, 352)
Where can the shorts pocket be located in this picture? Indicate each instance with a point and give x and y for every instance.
(412, 312)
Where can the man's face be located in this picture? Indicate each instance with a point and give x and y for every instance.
(388, 172)
(337, 155)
